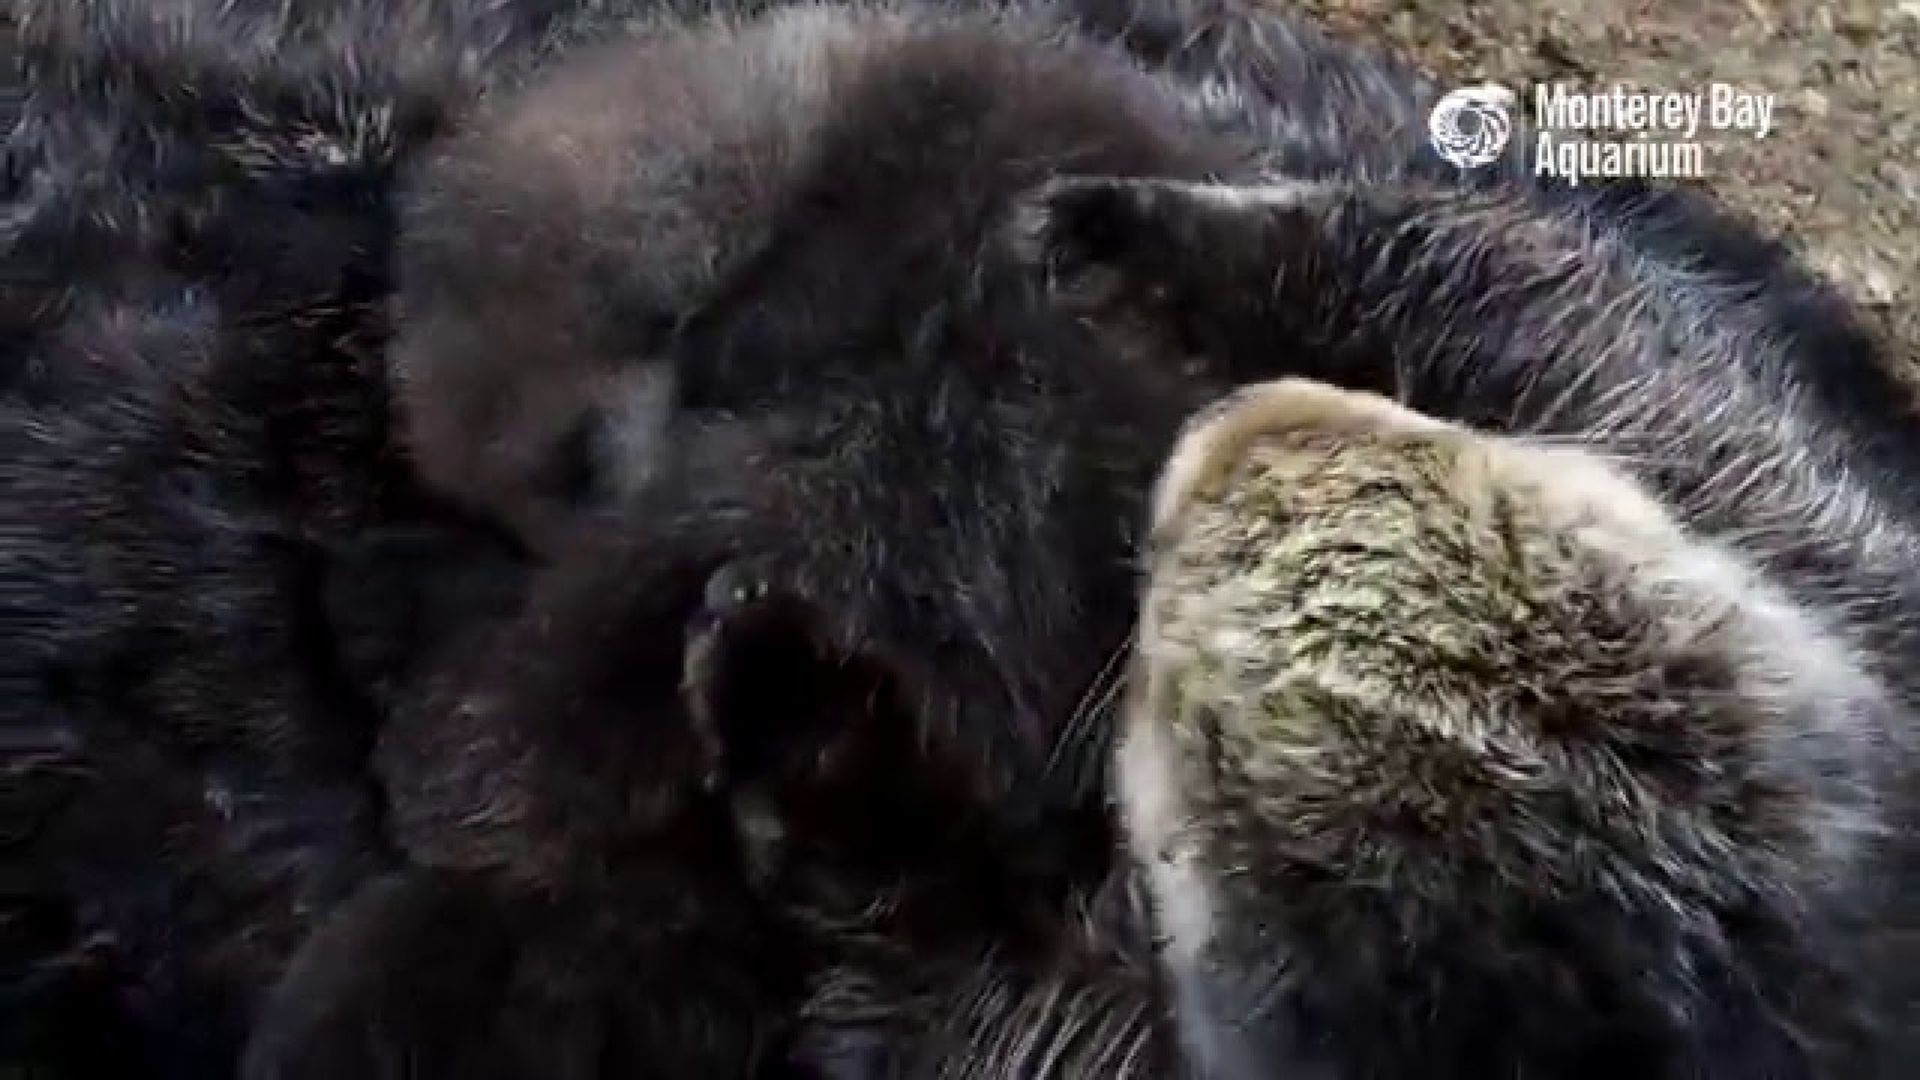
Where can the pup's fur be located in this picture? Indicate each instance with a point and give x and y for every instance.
(193, 243)
(869, 836)
(779, 333)
(216, 559)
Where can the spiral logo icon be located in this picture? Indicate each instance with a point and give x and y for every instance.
(1470, 126)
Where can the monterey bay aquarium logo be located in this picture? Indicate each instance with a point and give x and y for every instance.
(1470, 126)
(1579, 135)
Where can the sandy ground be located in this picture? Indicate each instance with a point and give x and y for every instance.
(1839, 177)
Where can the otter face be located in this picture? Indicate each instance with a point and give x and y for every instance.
(678, 250)
(1454, 753)
(550, 252)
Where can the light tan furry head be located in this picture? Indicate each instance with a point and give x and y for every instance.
(1425, 720)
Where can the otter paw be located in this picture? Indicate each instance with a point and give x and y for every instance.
(746, 614)
(736, 588)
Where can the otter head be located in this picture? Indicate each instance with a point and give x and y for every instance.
(1454, 755)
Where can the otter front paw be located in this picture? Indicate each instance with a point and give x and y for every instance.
(740, 606)
(736, 587)
(803, 733)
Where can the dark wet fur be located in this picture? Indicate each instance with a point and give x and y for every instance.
(190, 340)
(271, 707)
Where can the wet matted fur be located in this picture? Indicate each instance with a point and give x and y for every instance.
(738, 700)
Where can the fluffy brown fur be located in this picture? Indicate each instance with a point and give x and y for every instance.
(1463, 746)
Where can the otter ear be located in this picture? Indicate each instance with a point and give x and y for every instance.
(1188, 269)
(1156, 234)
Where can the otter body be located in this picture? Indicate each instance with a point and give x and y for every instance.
(1568, 693)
